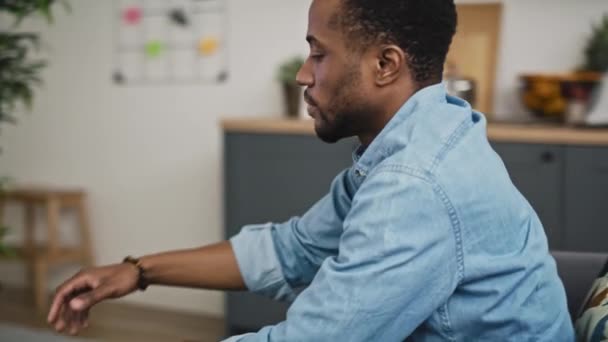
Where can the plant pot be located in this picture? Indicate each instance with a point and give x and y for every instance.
(292, 95)
(598, 115)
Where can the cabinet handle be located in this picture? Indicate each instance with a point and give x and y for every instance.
(547, 157)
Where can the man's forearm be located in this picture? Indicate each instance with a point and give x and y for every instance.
(209, 267)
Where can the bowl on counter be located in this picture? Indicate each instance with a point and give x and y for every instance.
(564, 97)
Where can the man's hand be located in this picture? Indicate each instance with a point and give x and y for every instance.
(209, 267)
(73, 299)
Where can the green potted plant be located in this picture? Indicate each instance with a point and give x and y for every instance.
(596, 60)
(19, 75)
(292, 92)
(596, 50)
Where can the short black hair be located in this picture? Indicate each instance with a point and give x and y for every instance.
(422, 28)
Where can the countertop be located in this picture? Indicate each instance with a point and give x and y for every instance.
(540, 133)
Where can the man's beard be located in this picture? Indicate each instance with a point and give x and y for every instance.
(331, 131)
(346, 113)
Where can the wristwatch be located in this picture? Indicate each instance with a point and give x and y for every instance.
(142, 281)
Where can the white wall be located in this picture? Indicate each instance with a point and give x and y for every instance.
(150, 156)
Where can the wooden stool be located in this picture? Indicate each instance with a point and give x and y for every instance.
(39, 257)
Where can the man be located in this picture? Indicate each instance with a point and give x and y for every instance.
(424, 237)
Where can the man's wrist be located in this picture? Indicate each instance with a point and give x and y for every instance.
(142, 280)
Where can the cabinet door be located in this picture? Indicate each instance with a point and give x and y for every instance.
(537, 171)
(272, 178)
(586, 200)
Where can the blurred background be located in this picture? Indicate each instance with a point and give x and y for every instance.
(168, 124)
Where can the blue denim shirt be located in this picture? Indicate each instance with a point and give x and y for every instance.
(425, 237)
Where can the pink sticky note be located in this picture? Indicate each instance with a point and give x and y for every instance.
(132, 15)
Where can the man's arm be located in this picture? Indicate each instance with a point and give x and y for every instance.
(305, 243)
(210, 267)
(397, 264)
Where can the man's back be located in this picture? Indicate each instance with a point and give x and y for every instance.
(508, 284)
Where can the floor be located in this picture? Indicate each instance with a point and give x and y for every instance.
(118, 322)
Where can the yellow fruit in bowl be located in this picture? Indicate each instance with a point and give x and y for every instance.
(532, 101)
(555, 106)
(546, 88)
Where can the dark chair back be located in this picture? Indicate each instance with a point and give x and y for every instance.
(578, 270)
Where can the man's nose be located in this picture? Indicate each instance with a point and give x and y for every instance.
(304, 76)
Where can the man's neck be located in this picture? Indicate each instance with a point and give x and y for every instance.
(390, 106)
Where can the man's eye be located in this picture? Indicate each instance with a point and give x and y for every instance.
(317, 56)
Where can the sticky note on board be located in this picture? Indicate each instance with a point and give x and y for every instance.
(154, 48)
(208, 46)
(131, 15)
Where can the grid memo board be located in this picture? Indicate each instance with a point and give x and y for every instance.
(170, 41)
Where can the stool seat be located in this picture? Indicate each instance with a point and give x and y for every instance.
(41, 194)
(62, 254)
(40, 256)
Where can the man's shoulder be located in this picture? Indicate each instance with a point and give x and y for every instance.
(430, 143)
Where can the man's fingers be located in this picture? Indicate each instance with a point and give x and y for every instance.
(55, 313)
(70, 321)
(80, 281)
(81, 320)
(56, 307)
(60, 323)
(86, 300)
(59, 297)
(75, 323)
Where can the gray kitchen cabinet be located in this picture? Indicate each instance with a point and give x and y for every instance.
(586, 200)
(271, 177)
(537, 171)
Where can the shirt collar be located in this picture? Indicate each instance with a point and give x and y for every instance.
(366, 158)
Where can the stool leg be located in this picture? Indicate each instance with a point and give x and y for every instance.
(1, 211)
(53, 208)
(28, 247)
(1, 219)
(85, 233)
(40, 284)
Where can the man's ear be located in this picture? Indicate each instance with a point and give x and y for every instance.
(391, 64)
